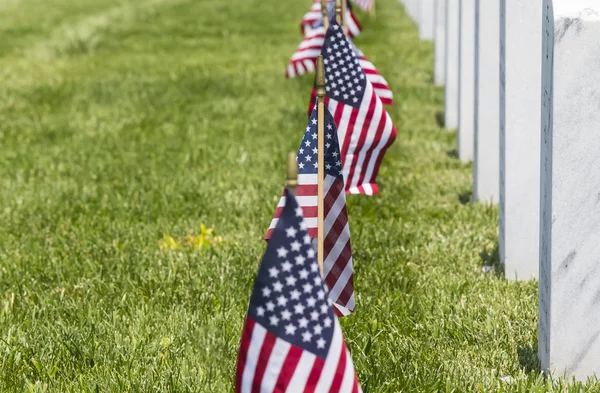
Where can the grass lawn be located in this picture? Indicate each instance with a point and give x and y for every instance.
(122, 121)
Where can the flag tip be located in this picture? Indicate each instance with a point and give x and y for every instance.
(320, 77)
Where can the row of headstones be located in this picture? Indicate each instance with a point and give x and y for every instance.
(522, 86)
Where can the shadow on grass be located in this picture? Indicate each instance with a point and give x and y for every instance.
(492, 259)
(439, 118)
(452, 153)
(528, 359)
(465, 197)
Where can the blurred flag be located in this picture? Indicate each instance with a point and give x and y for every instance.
(365, 5)
(364, 127)
(304, 60)
(314, 18)
(337, 263)
(292, 341)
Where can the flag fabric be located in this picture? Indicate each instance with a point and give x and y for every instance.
(304, 59)
(314, 18)
(365, 129)
(337, 261)
(291, 340)
(380, 85)
(365, 5)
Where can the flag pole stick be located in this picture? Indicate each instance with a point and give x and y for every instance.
(372, 10)
(292, 173)
(325, 15)
(344, 21)
(320, 82)
(338, 11)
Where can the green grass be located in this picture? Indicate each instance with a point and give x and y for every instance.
(124, 120)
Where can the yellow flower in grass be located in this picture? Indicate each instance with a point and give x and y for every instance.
(168, 243)
(205, 239)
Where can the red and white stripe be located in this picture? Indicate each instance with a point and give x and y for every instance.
(365, 5)
(381, 86)
(354, 27)
(304, 60)
(314, 15)
(337, 263)
(311, 17)
(364, 134)
(268, 364)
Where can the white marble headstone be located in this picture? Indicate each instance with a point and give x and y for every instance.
(466, 117)
(411, 7)
(439, 66)
(520, 108)
(569, 323)
(426, 19)
(452, 53)
(486, 163)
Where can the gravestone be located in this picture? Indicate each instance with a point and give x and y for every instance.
(410, 8)
(569, 314)
(520, 108)
(452, 53)
(426, 19)
(439, 63)
(466, 117)
(486, 163)
(415, 11)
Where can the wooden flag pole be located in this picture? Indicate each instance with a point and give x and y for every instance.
(292, 173)
(338, 11)
(372, 10)
(344, 21)
(325, 15)
(320, 82)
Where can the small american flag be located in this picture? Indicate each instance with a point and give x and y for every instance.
(364, 127)
(304, 60)
(314, 18)
(337, 264)
(365, 5)
(380, 85)
(292, 341)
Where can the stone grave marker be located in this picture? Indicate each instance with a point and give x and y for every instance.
(466, 117)
(569, 306)
(439, 66)
(520, 108)
(451, 73)
(426, 19)
(486, 163)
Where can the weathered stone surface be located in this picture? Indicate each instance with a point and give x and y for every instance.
(569, 333)
(439, 66)
(452, 53)
(486, 164)
(520, 108)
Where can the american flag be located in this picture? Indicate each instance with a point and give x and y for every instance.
(380, 85)
(304, 59)
(364, 127)
(292, 341)
(337, 263)
(314, 18)
(365, 5)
